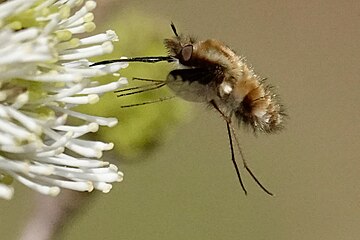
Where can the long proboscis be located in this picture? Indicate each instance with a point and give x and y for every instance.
(137, 59)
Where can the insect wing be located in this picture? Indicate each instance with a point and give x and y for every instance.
(190, 84)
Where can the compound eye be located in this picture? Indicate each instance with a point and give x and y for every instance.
(186, 52)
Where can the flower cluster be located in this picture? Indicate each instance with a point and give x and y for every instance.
(44, 74)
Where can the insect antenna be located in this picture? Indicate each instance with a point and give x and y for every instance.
(174, 29)
(137, 59)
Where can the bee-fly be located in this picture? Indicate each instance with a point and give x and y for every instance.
(210, 72)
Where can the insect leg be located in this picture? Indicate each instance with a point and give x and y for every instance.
(148, 102)
(155, 86)
(245, 163)
(228, 122)
(232, 133)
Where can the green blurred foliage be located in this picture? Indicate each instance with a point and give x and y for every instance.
(140, 128)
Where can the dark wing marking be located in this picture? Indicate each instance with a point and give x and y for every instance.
(201, 75)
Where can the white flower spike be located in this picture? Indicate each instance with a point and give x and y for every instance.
(44, 73)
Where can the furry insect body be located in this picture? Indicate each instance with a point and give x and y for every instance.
(213, 72)
(210, 72)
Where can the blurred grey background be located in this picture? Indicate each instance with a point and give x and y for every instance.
(188, 189)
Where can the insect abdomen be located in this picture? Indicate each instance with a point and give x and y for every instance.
(260, 109)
